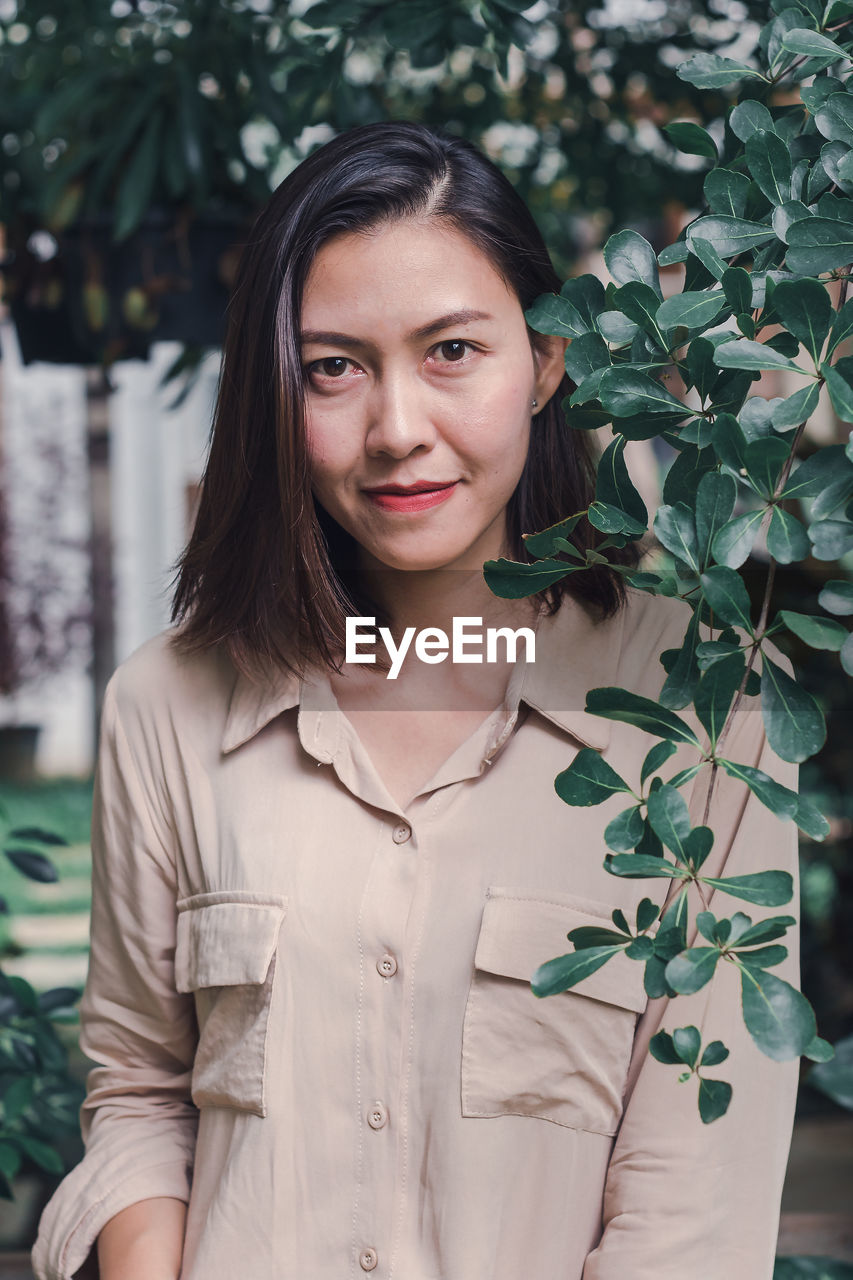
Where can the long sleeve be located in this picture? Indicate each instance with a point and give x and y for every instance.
(683, 1198)
(138, 1121)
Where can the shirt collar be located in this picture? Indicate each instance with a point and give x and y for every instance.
(574, 653)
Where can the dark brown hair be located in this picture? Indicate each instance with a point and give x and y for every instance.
(267, 572)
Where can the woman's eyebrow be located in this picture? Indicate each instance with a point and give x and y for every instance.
(326, 337)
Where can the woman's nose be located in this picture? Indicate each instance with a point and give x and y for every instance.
(399, 418)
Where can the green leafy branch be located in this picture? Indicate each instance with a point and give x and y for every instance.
(766, 266)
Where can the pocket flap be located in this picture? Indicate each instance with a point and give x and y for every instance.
(518, 933)
(224, 939)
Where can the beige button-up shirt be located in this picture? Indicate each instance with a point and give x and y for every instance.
(312, 1010)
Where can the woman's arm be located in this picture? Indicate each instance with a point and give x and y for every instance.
(138, 1120)
(144, 1241)
(683, 1198)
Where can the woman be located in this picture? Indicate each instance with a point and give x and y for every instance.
(320, 892)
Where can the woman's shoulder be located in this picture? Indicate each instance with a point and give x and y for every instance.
(159, 681)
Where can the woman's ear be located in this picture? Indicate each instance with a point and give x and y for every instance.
(549, 357)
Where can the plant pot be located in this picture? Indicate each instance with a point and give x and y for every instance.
(18, 743)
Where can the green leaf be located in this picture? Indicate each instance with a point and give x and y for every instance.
(693, 310)
(769, 161)
(655, 759)
(729, 441)
(716, 692)
(628, 256)
(691, 139)
(729, 236)
(617, 328)
(820, 1050)
(10, 1161)
(831, 539)
(810, 478)
(842, 327)
(765, 888)
(593, 935)
(624, 832)
(726, 192)
(737, 287)
(611, 520)
(640, 303)
(669, 818)
(835, 1078)
(586, 294)
(836, 596)
(640, 949)
(817, 244)
(786, 214)
(778, 1017)
(40, 1153)
(134, 191)
(840, 393)
(714, 1098)
(792, 718)
(586, 354)
(545, 543)
(511, 579)
(555, 315)
(750, 117)
(754, 356)
(675, 529)
(613, 703)
(727, 596)
(763, 957)
(565, 971)
(35, 866)
(641, 866)
(692, 969)
(764, 460)
(701, 370)
(780, 800)
(734, 541)
(812, 44)
(614, 486)
(797, 408)
(764, 931)
(662, 1048)
(683, 673)
(647, 913)
(810, 819)
(818, 633)
(805, 309)
(710, 71)
(588, 780)
(715, 1053)
(625, 392)
(40, 834)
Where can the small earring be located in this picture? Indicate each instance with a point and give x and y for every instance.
(535, 404)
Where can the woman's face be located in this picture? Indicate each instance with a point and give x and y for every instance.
(419, 372)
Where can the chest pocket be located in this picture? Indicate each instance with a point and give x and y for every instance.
(225, 953)
(564, 1057)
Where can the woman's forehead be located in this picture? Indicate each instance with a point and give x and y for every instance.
(418, 269)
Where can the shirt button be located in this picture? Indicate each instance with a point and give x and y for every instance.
(401, 833)
(387, 965)
(377, 1116)
(367, 1259)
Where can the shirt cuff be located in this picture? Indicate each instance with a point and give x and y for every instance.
(83, 1204)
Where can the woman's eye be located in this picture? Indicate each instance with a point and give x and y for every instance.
(453, 351)
(330, 366)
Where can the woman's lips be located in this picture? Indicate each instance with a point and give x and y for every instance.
(411, 501)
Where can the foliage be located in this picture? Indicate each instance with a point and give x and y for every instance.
(40, 1100)
(123, 119)
(766, 273)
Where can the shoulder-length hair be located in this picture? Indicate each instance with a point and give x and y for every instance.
(267, 572)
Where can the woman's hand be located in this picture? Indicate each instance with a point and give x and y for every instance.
(145, 1241)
